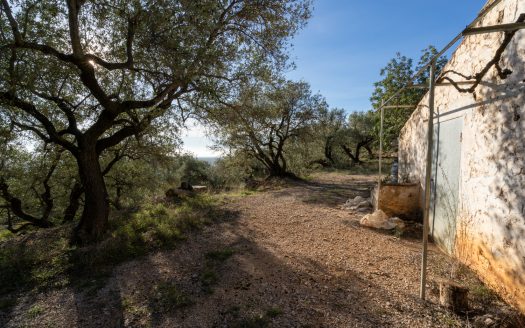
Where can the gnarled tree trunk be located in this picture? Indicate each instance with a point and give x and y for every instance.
(355, 157)
(348, 152)
(328, 151)
(74, 202)
(94, 219)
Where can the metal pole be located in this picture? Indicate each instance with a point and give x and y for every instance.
(400, 106)
(428, 176)
(380, 153)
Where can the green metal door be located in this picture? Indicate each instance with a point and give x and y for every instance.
(445, 181)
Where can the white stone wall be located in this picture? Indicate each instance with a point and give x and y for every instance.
(490, 234)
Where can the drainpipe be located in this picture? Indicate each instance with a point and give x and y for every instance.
(428, 176)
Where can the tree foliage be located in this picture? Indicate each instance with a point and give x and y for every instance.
(265, 120)
(396, 74)
(88, 75)
(357, 134)
(330, 122)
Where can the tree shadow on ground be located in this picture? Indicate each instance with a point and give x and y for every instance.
(251, 288)
(80, 280)
(247, 287)
(328, 194)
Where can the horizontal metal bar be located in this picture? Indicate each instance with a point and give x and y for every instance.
(400, 106)
(494, 28)
(442, 84)
(446, 84)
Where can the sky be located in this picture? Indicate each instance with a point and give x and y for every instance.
(346, 43)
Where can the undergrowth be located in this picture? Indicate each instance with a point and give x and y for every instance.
(170, 297)
(45, 259)
(366, 167)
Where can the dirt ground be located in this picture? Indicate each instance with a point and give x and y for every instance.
(288, 257)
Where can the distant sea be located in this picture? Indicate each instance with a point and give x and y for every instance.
(210, 160)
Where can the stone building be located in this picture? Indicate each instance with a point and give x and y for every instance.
(478, 172)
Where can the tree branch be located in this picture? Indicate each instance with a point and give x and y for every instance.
(72, 207)
(66, 109)
(162, 96)
(73, 7)
(30, 109)
(478, 77)
(132, 24)
(15, 205)
(12, 22)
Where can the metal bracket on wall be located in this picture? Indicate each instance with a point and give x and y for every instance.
(494, 28)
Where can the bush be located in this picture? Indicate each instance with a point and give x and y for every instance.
(227, 173)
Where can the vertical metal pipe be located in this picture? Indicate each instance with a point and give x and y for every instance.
(380, 152)
(428, 176)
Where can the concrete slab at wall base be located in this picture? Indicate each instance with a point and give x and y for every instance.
(490, 219)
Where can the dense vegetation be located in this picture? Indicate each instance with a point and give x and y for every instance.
(81, 78)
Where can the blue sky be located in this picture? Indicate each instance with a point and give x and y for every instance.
(347, 42)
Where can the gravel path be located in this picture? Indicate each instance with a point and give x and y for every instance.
(282, 258)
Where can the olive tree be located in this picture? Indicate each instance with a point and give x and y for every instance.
(357, 134)
(326, 130)
(86, 75)
(265, 119)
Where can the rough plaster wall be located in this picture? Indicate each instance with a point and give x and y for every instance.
(490, 228)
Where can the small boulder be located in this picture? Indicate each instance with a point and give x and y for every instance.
(487, 321)
(178, 195)
(355, 201)
(379, 220)
(357, 204)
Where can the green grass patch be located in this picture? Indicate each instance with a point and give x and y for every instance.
(34, 311)
(5, 234)
(367, 167)
(482, 294)
(237, 193)
(129, 306)
(170, 297)
(208, 279)
(34, 260)
(154, 227)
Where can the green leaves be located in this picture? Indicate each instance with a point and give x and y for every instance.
(88, 75)
(397, 74)
(265, 120)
